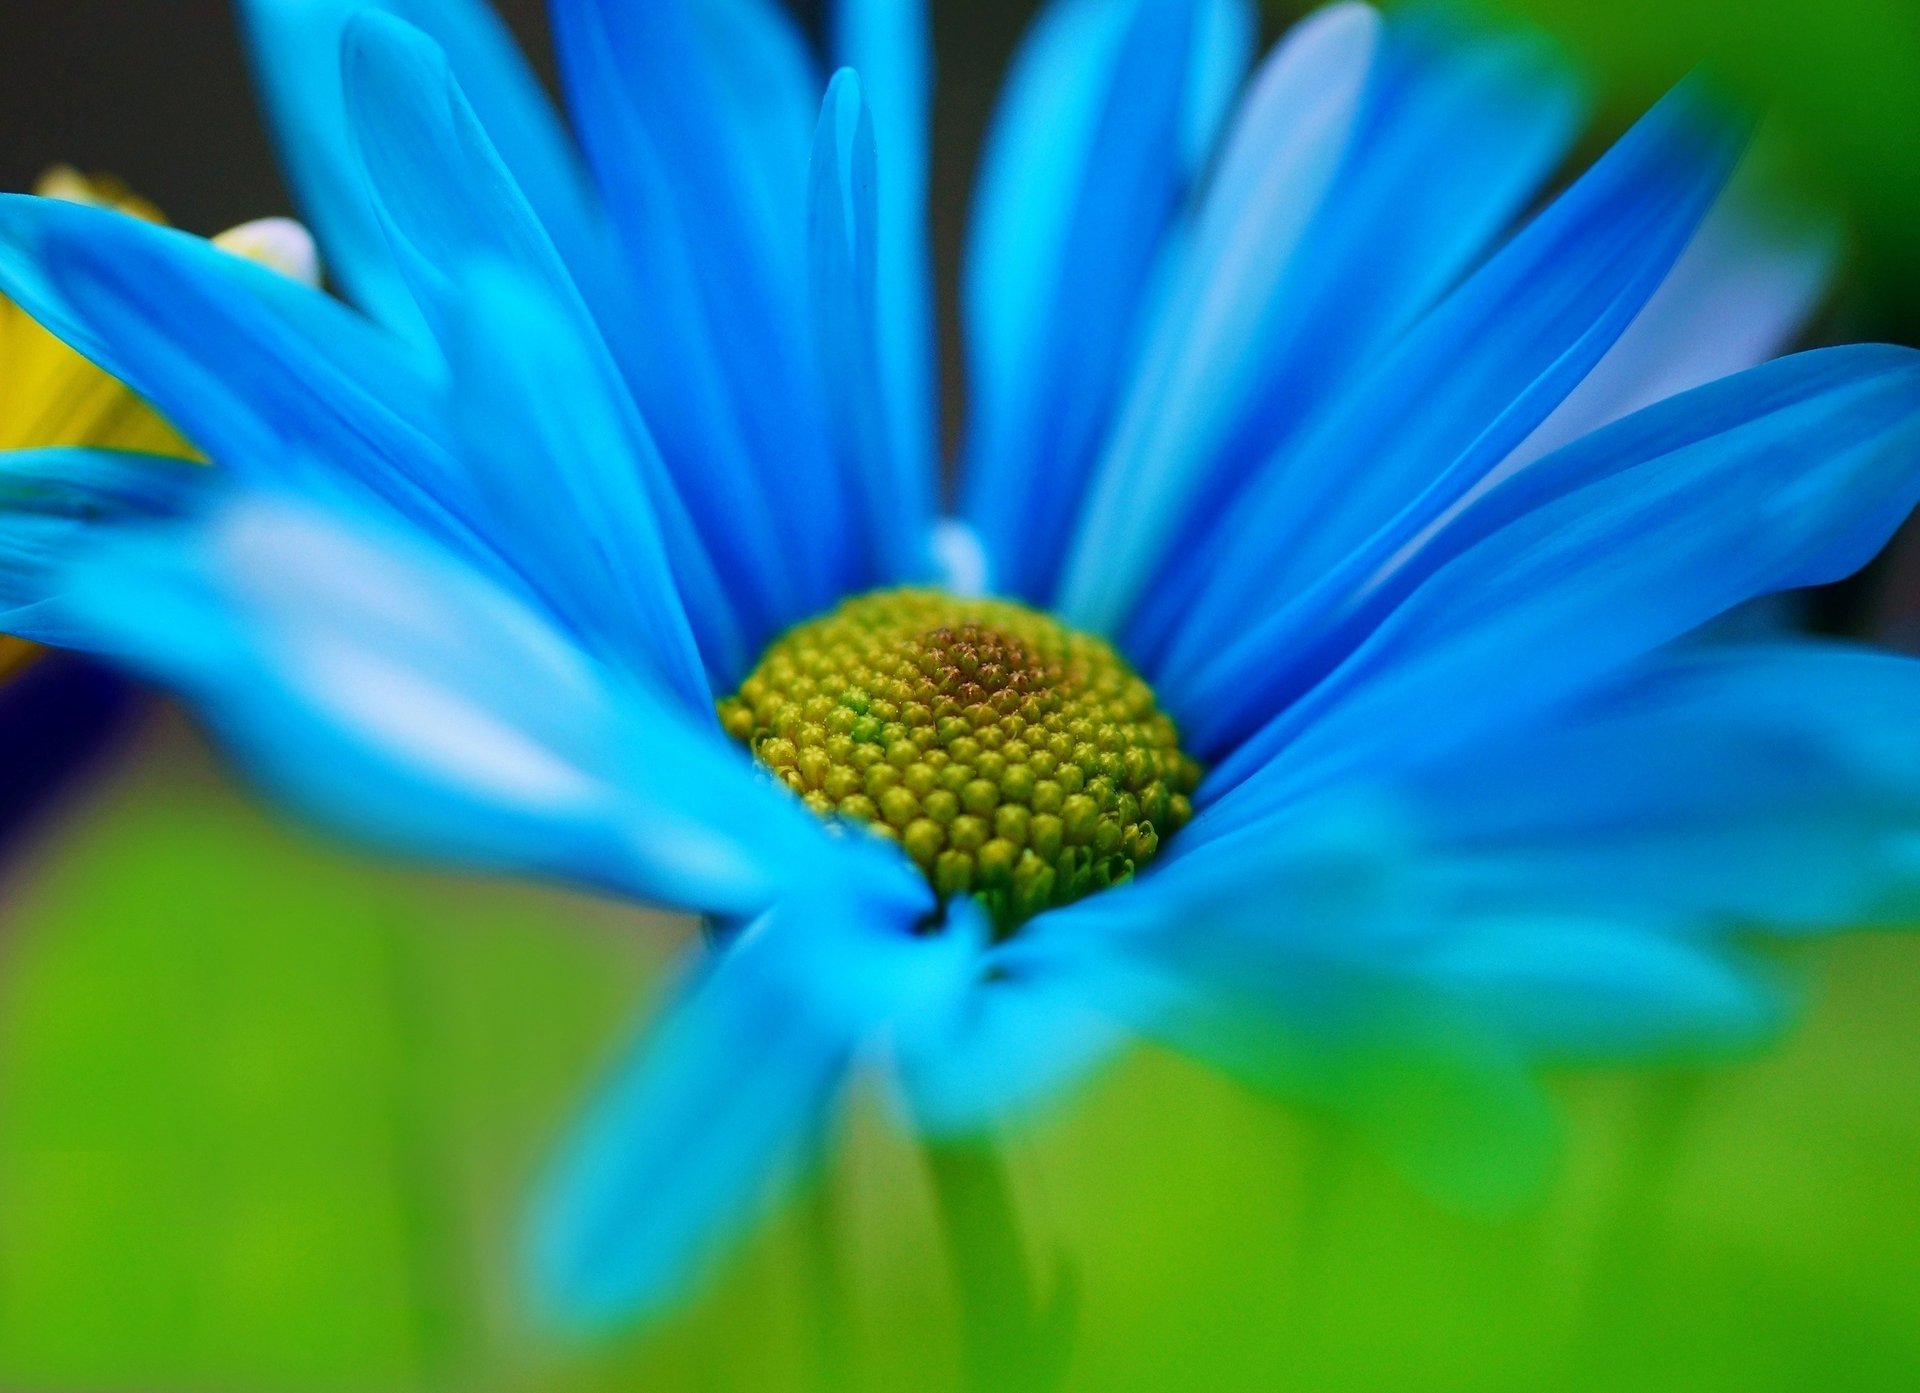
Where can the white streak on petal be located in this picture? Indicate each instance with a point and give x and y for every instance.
(427, 725)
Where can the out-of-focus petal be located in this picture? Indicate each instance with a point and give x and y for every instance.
(1743, 290)
(386, 688)
(1760, 789)
(726, 1091)
(264, 374)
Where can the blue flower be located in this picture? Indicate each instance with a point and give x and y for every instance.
(1411, 520)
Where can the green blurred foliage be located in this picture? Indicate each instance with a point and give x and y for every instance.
(270, 1116)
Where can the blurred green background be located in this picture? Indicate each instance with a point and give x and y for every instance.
(268, 1113)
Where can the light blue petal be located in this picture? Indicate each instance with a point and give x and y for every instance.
(1451, 402)
(1772, 788)
(1280, 160)
(440, 190)
(295, 46)
(697, 117)
(386, 689)
(1755, 274)
(886, 42)
(1282, 957)
(890, 494)
(1576, 992)
(571, 476)
(1790, 475)
(454, 214)
(1033, 1028)
(1084, 173)
(275, 380)
(1222, 52)
(50, 500)
(729, 1089)
(1461, 127)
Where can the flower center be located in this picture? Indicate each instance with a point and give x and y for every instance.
(1012, 758)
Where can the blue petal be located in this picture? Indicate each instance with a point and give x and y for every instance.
(268, 376)
(1282, 957)
(571, 476)
(1084, 173)
(1280, 160)
(1792, 474)
(1460, 392)
(696, 116)
(1772, 788)
(1460, 128)
(886, 42)
(1576, 992)
(441, 191)
(1743, 291)
(450, 206)
(296, 56)
(385, 688)
(890, 496)
(49, 502)
(1034, 1027)
(734, 1081)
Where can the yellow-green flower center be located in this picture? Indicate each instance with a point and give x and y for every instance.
(1010, 757)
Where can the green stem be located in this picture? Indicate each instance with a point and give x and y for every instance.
(1000, 1326)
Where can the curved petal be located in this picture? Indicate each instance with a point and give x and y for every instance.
(1773, 788)
(267, 375)
(1033, 1027)
(1459, 392)
(295, 47)
(571, 475)
(1789, 475)
(1461, 126)
(1282, 958)
(1578, 992)
(386, 688)
(456, 217)
(732, 1083)
(50, 501)
(1742, 291)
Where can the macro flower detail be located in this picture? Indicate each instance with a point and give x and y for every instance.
(1011, 758)
(1351, 520)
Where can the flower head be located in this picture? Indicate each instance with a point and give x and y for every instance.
(1289, 459)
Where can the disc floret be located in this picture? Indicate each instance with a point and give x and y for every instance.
(1011, 757)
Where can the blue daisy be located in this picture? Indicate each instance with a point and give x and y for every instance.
(1309, 672)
